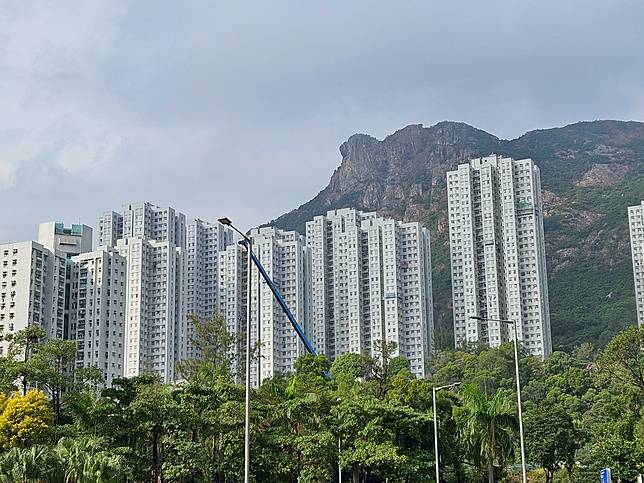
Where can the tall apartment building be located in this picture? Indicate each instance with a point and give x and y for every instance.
(232, 291)
(68, 242)
(32, 290)
(153, 241)
(286, 259)
(205, 241)
(371, 281)
(97, 318)
(110, 228)
(497, 252)
(636, 225)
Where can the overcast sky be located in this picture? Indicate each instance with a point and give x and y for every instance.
(238, 108)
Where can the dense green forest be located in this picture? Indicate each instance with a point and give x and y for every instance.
(583, 411)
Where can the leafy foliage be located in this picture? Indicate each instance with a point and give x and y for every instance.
(365, 416)
(25, 420)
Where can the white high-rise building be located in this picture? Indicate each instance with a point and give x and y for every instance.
(232, 291)
(399, 305)
(205, 241)
(97, 318)
(636, 225)
(32, 290)
(152, 222)
(153, 241)
(110, 229)
(285, 257)
(371, 281)
(155, 338)
(497, 251)
(67, 242)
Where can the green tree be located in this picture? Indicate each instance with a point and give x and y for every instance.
(52, 366)
(34, 464)
(351, 366)
(21, 346)
(551, 437)
(622, 456)
(379, 370)
(216, 347)
(150, 410)
(488, 425)
(623, 358)
(86, 460)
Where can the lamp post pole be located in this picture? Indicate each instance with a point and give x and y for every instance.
(434, 391)
(249, 281)
(249, 271)
(516, 369)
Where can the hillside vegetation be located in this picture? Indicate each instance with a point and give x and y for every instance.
(591, 172)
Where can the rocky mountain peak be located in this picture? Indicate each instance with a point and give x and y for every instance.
(591, 171)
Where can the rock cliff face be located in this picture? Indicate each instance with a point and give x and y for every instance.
(591, 171)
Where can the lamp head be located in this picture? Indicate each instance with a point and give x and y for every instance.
(225, 221)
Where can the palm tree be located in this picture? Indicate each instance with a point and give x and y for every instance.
(83, 461)
(104, 467)
(34, 464)
(488, 427)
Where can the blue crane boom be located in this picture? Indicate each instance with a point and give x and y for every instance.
(280, 299)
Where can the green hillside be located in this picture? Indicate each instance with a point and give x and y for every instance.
(591, 172)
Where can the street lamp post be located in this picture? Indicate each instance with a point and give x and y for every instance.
(434, 391)
(516, 369)
(249, 270)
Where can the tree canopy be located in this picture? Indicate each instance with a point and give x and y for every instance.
(364, 415)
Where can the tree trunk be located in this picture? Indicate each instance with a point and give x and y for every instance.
(155, 457)
(549, 474)
(355, 474)
(490, 469)
(24, 377)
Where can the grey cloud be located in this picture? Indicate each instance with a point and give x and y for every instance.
(238, 108)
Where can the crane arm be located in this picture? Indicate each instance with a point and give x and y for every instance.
(280, 299)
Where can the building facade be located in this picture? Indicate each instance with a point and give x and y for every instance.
(232, 295)
(97, 318)
(32, 290)
(155, 337)
(66, 241)
(636, 228)
(497, 252)
(153, 243)
(371, 283)
(110, 228)
(285, 257)
(205, 241)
